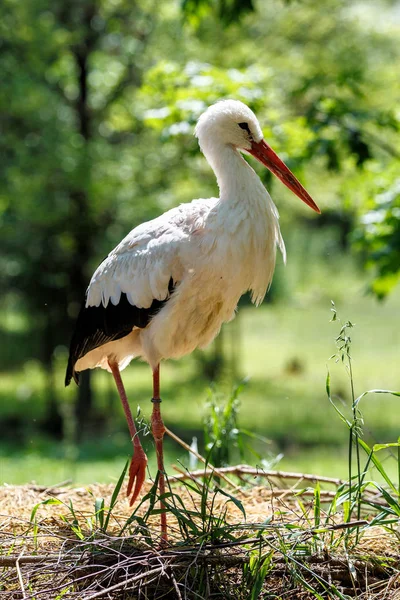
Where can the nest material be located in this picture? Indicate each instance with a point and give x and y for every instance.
(62, 554)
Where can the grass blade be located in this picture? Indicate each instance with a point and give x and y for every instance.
(235, 501)
(377, 464)
(115, 494)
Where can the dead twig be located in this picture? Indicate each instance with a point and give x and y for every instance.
(240, 470)
(126, 582)
(21, 581)
(11, 561)
(175, 584)
(52, 489)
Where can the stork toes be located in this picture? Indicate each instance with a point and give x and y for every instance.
(137, 474)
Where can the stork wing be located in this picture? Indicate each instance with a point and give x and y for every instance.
(97, 325)
(133, 283)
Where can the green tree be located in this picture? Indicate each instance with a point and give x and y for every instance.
(377, 235)
(62, 161)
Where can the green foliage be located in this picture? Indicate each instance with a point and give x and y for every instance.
(60, 170)
(102, 515)
(228, 11)
(222, 436)
(225, 441)
(378, 235)
(256, 570)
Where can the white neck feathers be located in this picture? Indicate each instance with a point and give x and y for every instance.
(248, 214)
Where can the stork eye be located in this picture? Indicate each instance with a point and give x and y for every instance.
(245, 126)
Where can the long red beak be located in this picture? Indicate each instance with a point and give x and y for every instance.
(264, 153)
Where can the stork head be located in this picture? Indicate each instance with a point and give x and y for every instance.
(232, 123)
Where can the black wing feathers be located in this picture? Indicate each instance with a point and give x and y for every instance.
(97, 325)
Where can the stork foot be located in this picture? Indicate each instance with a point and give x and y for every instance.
(137, 474)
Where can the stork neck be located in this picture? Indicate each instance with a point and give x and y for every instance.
(234, 175)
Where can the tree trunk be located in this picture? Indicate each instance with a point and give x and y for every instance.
(84, 227)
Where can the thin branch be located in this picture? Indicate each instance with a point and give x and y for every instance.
(21, 581)
(53, 489)
(246, 470)
(175, 584)
(210, 471)
(11, 561)
(124, 583)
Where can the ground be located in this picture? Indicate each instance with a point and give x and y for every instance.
(278, 535)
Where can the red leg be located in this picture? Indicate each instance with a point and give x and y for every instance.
(137, 469)
(158, 430)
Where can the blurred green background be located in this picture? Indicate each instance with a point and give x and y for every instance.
(98, 105)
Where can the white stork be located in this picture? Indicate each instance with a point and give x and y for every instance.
(169, 285)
